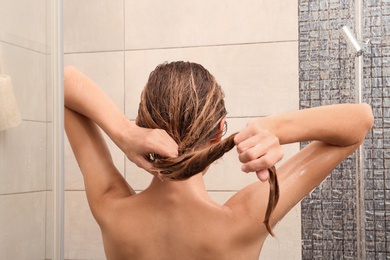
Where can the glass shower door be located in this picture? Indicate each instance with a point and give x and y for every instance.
(30, 153)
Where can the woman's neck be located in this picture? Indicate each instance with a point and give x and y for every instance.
(193, 187)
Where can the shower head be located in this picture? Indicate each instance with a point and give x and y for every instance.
(351, 40)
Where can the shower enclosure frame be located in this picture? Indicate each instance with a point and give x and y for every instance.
(359, 66)
(58, 128)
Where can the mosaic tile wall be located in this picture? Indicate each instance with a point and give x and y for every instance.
(327, 77)
(377, 155)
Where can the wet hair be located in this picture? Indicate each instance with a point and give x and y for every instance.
(185, 100)
(273, 197)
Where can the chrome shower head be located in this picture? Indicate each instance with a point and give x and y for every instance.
(351, 40)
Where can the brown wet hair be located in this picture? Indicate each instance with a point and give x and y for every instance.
(185, 100)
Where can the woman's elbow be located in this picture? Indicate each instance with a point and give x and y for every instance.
(69, 74)
(69, 71)
(367, 117)
(366, 120)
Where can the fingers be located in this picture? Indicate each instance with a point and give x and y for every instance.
(167, 146)
(252, 147)
(256, 147)
(159, 142)
(144, 142)
(243, 135)
(263, 175)
(269, 159)
(141, 162)
(258, 150)
(144, 163)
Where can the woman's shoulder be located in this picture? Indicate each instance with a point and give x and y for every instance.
(248, 207)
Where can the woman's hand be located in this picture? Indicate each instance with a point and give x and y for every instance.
(85, 97)
(258, 148)
(140, 143)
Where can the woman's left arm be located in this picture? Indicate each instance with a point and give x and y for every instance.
(84, 96)
(87, 108)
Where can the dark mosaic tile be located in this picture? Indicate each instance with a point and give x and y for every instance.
(333, 67)
(379, 204)
(387, 186)
(380, 246)
(387, 196)
(307, 254)
(370, 255)
(337, 254)
(368, 195)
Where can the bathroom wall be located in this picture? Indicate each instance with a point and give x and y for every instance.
(327, 76)
(25, 158)
(249, 49)
(376, 91)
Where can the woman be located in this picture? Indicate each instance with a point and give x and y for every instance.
(177, 135)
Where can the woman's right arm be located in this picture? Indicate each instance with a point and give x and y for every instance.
(339, 125)
(336, 131)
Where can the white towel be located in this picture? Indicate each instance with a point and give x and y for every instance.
(9, 112)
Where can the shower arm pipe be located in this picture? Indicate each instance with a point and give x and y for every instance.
(360, 225)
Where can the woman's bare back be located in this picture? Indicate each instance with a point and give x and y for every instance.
(176, 226)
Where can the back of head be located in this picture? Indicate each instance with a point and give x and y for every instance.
(185, 100)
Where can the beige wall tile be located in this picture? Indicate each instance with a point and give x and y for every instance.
(23, 23)
(50, 87)
(258, 79)
(2, 151)
(82, 234)
(138, 178)
(23, 226)
(49, 225)
(175, 23)
(24, 158)
(50, 162)
(105, 68)
(27, 70)
(287, 241)
(93, 25)
(24, 36)
(221, 197)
